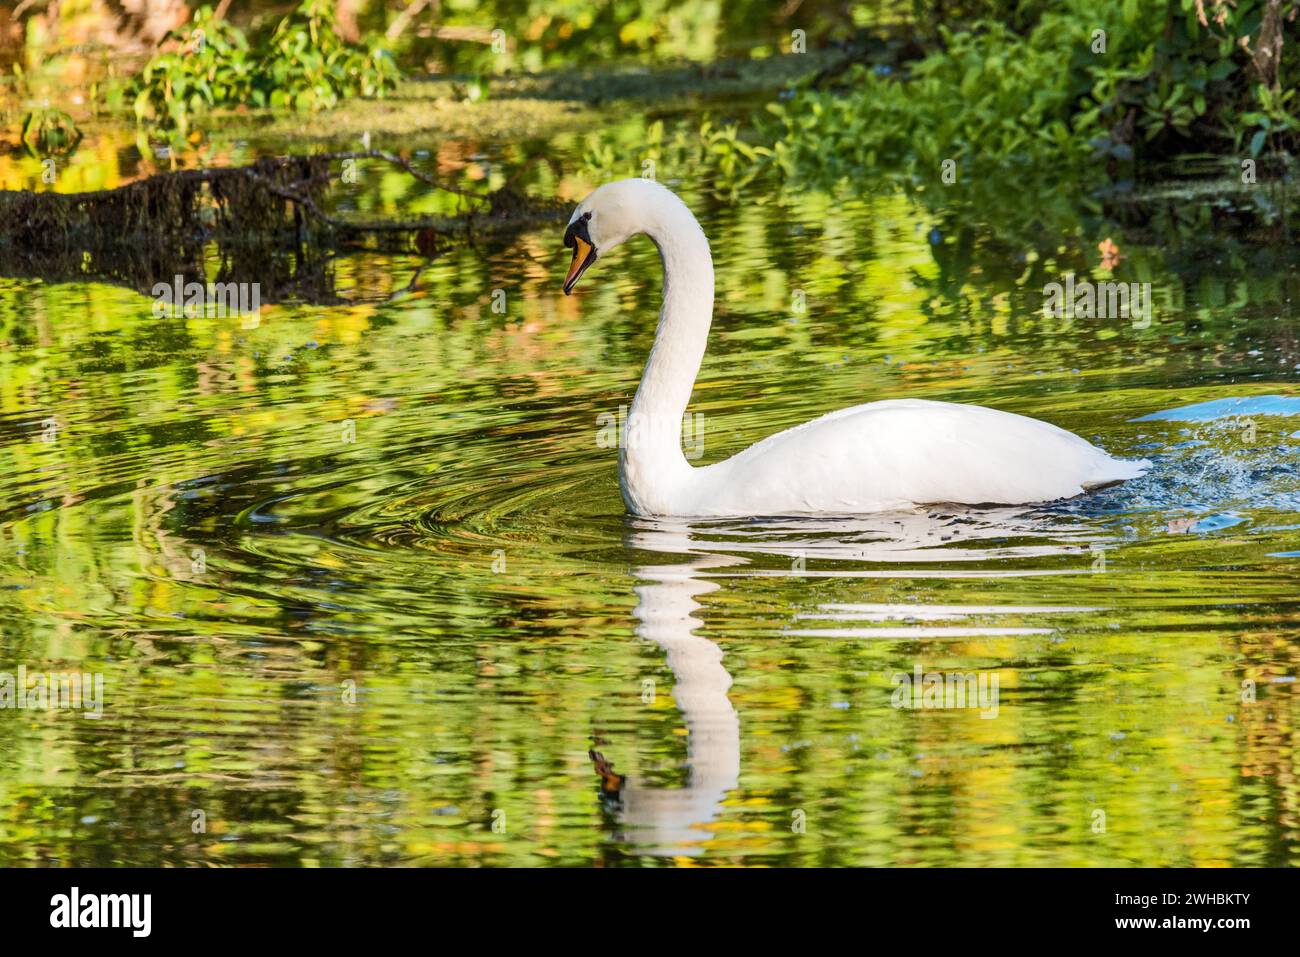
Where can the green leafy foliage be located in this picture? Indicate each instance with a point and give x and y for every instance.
(1142, 80)
(990, 96)
(303, 65)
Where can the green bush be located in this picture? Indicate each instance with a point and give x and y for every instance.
(303, 65)
(989, 97)
(1140, 80)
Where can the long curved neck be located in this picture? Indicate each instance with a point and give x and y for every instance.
(651, 459)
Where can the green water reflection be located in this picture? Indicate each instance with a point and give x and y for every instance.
(361, 588)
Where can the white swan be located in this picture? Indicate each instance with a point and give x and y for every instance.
(869, 458)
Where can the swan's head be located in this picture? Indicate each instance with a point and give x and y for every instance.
(612, 215)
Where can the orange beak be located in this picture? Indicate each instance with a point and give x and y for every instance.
(584, 254)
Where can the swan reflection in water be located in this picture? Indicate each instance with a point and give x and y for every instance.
(669, 820)
(677, 821)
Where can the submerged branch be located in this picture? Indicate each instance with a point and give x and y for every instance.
(259, 216)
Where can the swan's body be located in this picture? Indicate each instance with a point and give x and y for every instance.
(868, 458)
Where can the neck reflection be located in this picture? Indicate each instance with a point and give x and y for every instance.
(674, 821)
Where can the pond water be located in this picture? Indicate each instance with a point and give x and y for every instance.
(361, 588)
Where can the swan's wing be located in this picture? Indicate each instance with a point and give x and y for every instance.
(905, 452)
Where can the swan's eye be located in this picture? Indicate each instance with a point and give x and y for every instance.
(578, 229)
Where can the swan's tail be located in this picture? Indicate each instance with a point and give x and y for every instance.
(1114, 471)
